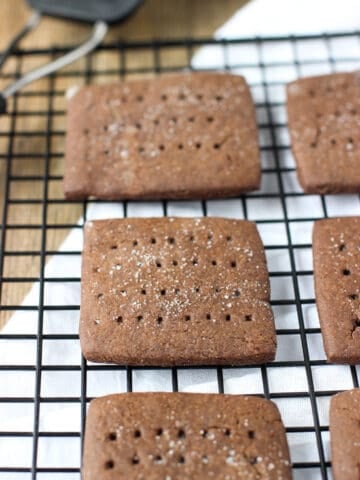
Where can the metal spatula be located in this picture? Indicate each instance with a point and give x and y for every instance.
(99, 12)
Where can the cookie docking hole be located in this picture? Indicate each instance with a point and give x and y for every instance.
(109, 465)
(356, 324)
(181, 433)
(163, 292)
(162, 147)
(159, 320)
(158, 459)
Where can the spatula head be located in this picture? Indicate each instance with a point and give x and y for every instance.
(110, 11)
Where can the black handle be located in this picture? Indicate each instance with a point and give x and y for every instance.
(109, 11)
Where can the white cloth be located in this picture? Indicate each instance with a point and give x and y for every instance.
(260, 17)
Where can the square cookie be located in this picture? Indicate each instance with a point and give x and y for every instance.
(323, 116)
(184, 436)
(190, 135)
(345, 435)
(175, 291)
(336, 249)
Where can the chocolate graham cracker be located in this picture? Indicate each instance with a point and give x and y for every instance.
(345, 435)
(323, 115)
(190, 135)
(336, 249)
(175, 291)
(184, 436)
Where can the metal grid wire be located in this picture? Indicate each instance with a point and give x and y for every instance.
(284, 216)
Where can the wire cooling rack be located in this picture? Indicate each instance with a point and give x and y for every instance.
(45, 383)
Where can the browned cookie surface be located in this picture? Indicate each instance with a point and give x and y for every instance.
(345, 435)
(336, 250)
(323, 117)
(175, 291)
(177, 436)
(176, 136)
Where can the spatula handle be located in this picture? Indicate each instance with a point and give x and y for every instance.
(99, 31)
